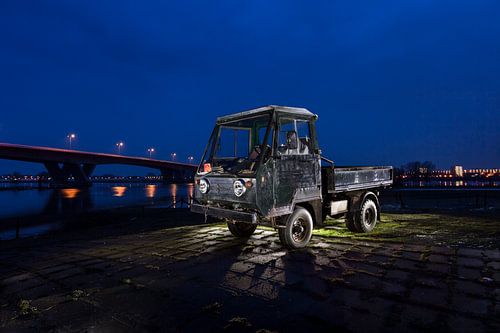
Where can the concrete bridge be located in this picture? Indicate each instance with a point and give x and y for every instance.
(72, 167)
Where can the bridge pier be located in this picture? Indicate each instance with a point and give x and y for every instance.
(62, 172)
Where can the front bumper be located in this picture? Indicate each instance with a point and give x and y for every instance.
(223, 213)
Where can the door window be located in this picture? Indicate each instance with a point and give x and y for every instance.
(294, 137)
(285, 137)
(304, 134)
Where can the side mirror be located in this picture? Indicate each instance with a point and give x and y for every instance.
(291, 139)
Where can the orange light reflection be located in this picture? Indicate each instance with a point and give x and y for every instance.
(70, 193)
(173, 192)
(119, 191)
(150, 191)
(190, 190)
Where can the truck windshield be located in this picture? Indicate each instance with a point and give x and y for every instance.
(237, 147)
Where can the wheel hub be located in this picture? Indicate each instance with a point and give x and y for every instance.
(369, 216)
(298, 230)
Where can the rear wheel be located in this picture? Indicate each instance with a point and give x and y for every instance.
(350, 222)
(298, 229)
(240, 229)
(366, 218)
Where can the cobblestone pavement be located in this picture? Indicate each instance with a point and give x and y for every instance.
(200, 278)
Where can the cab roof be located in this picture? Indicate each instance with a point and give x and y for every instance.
(282, 110)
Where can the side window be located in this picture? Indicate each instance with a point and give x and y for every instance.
(286, 139)
(304, 135)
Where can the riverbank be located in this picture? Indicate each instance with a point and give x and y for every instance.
(69, 208)
(476, 201)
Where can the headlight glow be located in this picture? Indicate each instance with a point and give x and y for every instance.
(204, 186)
(239, 188)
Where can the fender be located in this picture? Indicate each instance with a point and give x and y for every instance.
(357, 201)
(315, 208)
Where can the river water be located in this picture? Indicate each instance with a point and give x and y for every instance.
(29, 200)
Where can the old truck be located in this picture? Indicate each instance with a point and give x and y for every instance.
(264, 166)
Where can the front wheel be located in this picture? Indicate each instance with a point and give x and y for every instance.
(298, 230)
(240, 229)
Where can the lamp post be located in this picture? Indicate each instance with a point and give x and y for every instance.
(173, 156)
(119, 145)
(71, 137)
(190, 159)
(151, 151)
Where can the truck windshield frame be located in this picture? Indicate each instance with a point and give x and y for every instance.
(226, 152)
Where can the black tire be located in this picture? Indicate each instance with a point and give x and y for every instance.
(298, 229)
(366, 218)
(350, 222)
(240, 229)
(281, 237)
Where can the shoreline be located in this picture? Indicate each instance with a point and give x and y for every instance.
(394, 201)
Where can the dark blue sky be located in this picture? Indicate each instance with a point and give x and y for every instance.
(391, 81)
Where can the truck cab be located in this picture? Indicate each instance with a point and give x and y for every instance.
(263, 166)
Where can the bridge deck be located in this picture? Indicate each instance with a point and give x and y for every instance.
(46, 154)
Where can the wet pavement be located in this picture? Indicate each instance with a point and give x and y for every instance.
(200, 278)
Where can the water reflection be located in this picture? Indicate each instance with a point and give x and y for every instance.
(69, 193)
(190, 190)
(190, 193)
(150, 190)
(119, 191)
(68, 201)
(15, 205)
(173, 192)
(99, 196)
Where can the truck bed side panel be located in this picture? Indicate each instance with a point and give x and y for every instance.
(342, 179)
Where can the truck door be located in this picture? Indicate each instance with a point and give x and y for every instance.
(296, 166)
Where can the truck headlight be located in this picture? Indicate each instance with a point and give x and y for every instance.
(239, 188)
(204, 186)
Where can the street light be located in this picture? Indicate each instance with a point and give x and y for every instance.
(71, 137)
(190, 159)
(120, 145)
(173, 155)
(151, 151)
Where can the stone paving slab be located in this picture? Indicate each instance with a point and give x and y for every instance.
(200, 278)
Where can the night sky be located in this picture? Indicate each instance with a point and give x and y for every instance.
(391, 81)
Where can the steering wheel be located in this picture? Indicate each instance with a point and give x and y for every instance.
(258, 151)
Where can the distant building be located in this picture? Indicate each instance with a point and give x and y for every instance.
(457, 171)
(423, 170)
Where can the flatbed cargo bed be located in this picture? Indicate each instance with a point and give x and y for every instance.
(343, 179)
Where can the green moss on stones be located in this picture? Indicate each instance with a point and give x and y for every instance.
(435, 229)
